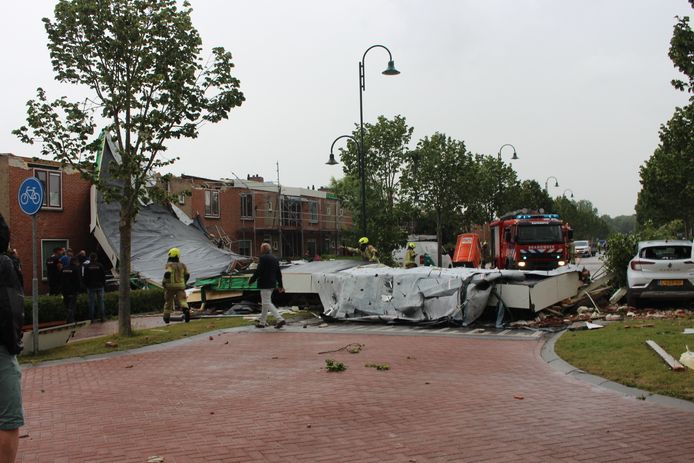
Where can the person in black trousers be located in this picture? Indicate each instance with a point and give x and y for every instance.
(70, 284)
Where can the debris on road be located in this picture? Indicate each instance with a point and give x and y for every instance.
(111, 344)
(155, 459)
(687, 358)
(669, 359)
(333, 366)
(378, 366)
(353, 348)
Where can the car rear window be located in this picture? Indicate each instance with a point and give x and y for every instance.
(666, 252)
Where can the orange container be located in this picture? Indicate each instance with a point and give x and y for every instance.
(468, 251)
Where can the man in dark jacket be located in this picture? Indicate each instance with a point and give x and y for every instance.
(269, 277)
(53, 271)
(70, 283)
(11, 321)
(95, 280)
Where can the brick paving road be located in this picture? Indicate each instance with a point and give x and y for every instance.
(264, 396)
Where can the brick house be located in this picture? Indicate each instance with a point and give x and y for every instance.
(244, 213)
(62, 221)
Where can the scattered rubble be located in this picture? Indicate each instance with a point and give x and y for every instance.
(669, 359)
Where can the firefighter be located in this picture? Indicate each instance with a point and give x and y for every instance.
(175, 278)
(367, 251)
(410, 256)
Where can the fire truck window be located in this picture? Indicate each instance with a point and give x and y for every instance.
(539, 234)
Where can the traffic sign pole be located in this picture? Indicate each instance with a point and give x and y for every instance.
(34, 289)
(30, 198)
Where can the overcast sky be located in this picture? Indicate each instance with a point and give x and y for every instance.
(579, 88)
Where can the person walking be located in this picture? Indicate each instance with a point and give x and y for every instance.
(94, 278)
(11, 321)
(70, 284)
(269, 277)
(175, 278)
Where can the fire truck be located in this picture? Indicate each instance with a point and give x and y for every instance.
(530, 241)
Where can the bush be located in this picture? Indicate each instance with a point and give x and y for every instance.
(51, 308)
(621, 248)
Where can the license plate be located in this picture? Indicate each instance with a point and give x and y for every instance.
(671, 282)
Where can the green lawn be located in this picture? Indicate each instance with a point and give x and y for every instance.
(621, 354)
(141, 338)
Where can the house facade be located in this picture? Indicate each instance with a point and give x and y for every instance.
(62, 221)
(242, 214)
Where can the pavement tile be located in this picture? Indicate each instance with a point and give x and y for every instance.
(265, 396)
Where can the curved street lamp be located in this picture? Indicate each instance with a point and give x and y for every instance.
(498, 191)
(331, 159)
(556, 182)
(389, 71)
(568, 189)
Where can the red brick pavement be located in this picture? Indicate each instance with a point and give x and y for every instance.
(264, 396)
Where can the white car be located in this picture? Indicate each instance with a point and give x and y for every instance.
(421, 248)
(582, 248)
(661, 269)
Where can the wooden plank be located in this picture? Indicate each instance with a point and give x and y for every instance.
(669, 359)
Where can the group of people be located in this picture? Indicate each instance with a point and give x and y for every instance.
(267, 274)
(70, 274)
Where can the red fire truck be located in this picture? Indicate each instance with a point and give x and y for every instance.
(530, 241)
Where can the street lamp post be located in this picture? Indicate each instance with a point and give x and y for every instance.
(556, 182)
(568, 189)
(332, 162)
(390, 71)
(498, 191)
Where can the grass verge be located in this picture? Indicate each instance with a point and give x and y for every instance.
(141, 338)
(619, 353)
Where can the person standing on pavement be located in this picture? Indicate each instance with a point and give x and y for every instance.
(269, 277)
(11, 321)
(53, 271)
(175, 278)
(410, 255)
(94, 278)
(70, 284)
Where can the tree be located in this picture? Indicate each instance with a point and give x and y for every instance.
(529, 194)
(141, 60)
(438, 177)
(667, 178)
(386, 150)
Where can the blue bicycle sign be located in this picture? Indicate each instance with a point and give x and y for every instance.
(30, 195)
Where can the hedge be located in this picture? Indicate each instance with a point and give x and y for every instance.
(51, 308)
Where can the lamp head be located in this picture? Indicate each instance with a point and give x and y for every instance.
(556, 183)
(331, 161)
(390, 70)
(515, 156)
(572, 196)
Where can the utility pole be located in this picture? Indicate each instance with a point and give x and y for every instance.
(279, 210)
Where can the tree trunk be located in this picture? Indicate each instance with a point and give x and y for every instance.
(438, 237)
(125, 228)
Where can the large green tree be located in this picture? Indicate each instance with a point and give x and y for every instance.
(667, 178)
(437, 178)
(386, 150)
(141, 61)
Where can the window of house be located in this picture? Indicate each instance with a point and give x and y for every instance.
(211, 203)
(47, 247)
(52, 182)
(182, 197)
(329, 210)
(327, 248)
(245, 247)
(246, 206)
(313, 211)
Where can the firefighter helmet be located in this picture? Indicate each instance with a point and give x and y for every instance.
(363, 240)
(411, 245)
(174, 252)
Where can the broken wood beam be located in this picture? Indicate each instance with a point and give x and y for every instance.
(669, 359)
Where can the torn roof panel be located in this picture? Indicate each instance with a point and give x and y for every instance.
(155, 230)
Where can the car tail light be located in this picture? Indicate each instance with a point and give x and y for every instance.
(634, 263)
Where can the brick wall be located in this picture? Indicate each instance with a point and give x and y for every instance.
(70, 223)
